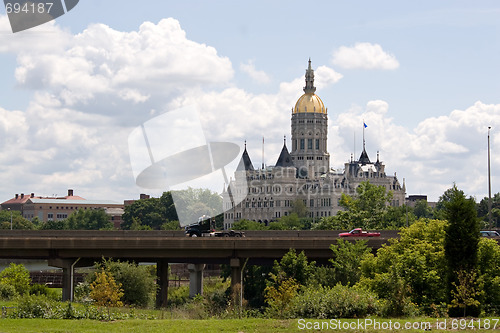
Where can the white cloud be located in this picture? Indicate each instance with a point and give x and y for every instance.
(364, 56)
(158, 58)
(258, 76)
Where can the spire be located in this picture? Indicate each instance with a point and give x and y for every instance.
(284, 160)
(309, 88)
(364, 159)
(245, 162)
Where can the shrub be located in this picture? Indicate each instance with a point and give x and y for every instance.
(178, 296)
(39, 289)
(137, 282)
(17, 276)
(7, 291)
(337, 302)
(35, 306)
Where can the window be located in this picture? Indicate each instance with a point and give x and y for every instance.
(50, 216)
(309, 143)
(302, 143)
(317, 144)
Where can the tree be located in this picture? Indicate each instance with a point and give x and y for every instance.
(299, 208)
(289, 222)
(248, 225)
(18, 222)
(92, 219)
(367, 209)
(193, 203)
(279, 297)
(105, 291)
(489, 274)
(149, 213)
(295, 266)
(422, 209)
(17, 276)
(346, 261)
(461, 240)
(137, 282)
(410, 269)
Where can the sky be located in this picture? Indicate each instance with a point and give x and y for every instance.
(423, 76)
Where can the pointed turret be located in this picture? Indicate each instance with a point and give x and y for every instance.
(364, 159)
(309, 88)
(245, 162)
(284, 160)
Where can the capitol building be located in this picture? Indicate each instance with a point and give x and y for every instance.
(304, 173)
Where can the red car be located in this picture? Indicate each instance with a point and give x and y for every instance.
(358, 232)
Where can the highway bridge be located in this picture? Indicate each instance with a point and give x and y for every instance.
(77, 248)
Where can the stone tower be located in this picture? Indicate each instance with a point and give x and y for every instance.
(309, 132)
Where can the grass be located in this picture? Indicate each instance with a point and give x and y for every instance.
(214, 325)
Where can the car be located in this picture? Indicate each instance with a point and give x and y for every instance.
(489, 233)
(358, 232)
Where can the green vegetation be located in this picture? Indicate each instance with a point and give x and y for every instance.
(437, 267)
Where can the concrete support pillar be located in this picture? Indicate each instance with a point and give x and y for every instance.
(67, 267)
(195, 279)
(162, 282)
(235, 264)
(66, 283)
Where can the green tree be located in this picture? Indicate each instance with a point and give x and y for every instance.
(279, 297)
(461, 239)
(346, 261)
(18, 222)
(248, 225)
(54, 225)
(137, 281)
(194, 203)
(295, 266)
(422, 209)
(410, 269)
(299, 208)
(151, 213)
(367, 209)
(289, 222)
(489, 274)
(92, 219)
(17, 276)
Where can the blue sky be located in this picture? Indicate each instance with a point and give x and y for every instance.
(423, 75)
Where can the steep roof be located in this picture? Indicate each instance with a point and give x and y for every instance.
(284, 160)
(364, 159)
(245, 162)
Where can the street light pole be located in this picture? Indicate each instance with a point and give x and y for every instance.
(10, 218)
(489, 181)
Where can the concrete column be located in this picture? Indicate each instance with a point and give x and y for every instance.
(195, 279)
(67, 266)
(162, 282)
(235, 264)
(66, 283)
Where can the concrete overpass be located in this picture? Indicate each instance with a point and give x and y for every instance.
(76, 248)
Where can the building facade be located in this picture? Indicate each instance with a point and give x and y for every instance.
(59, 208)
(266, 194)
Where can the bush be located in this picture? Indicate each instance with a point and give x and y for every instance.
(7, 291)
(17, 276)
(178, 296)
(34, 306)
(39, 289)
(137, 282)
(337, 302)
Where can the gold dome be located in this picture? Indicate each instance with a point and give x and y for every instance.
(309, 102)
